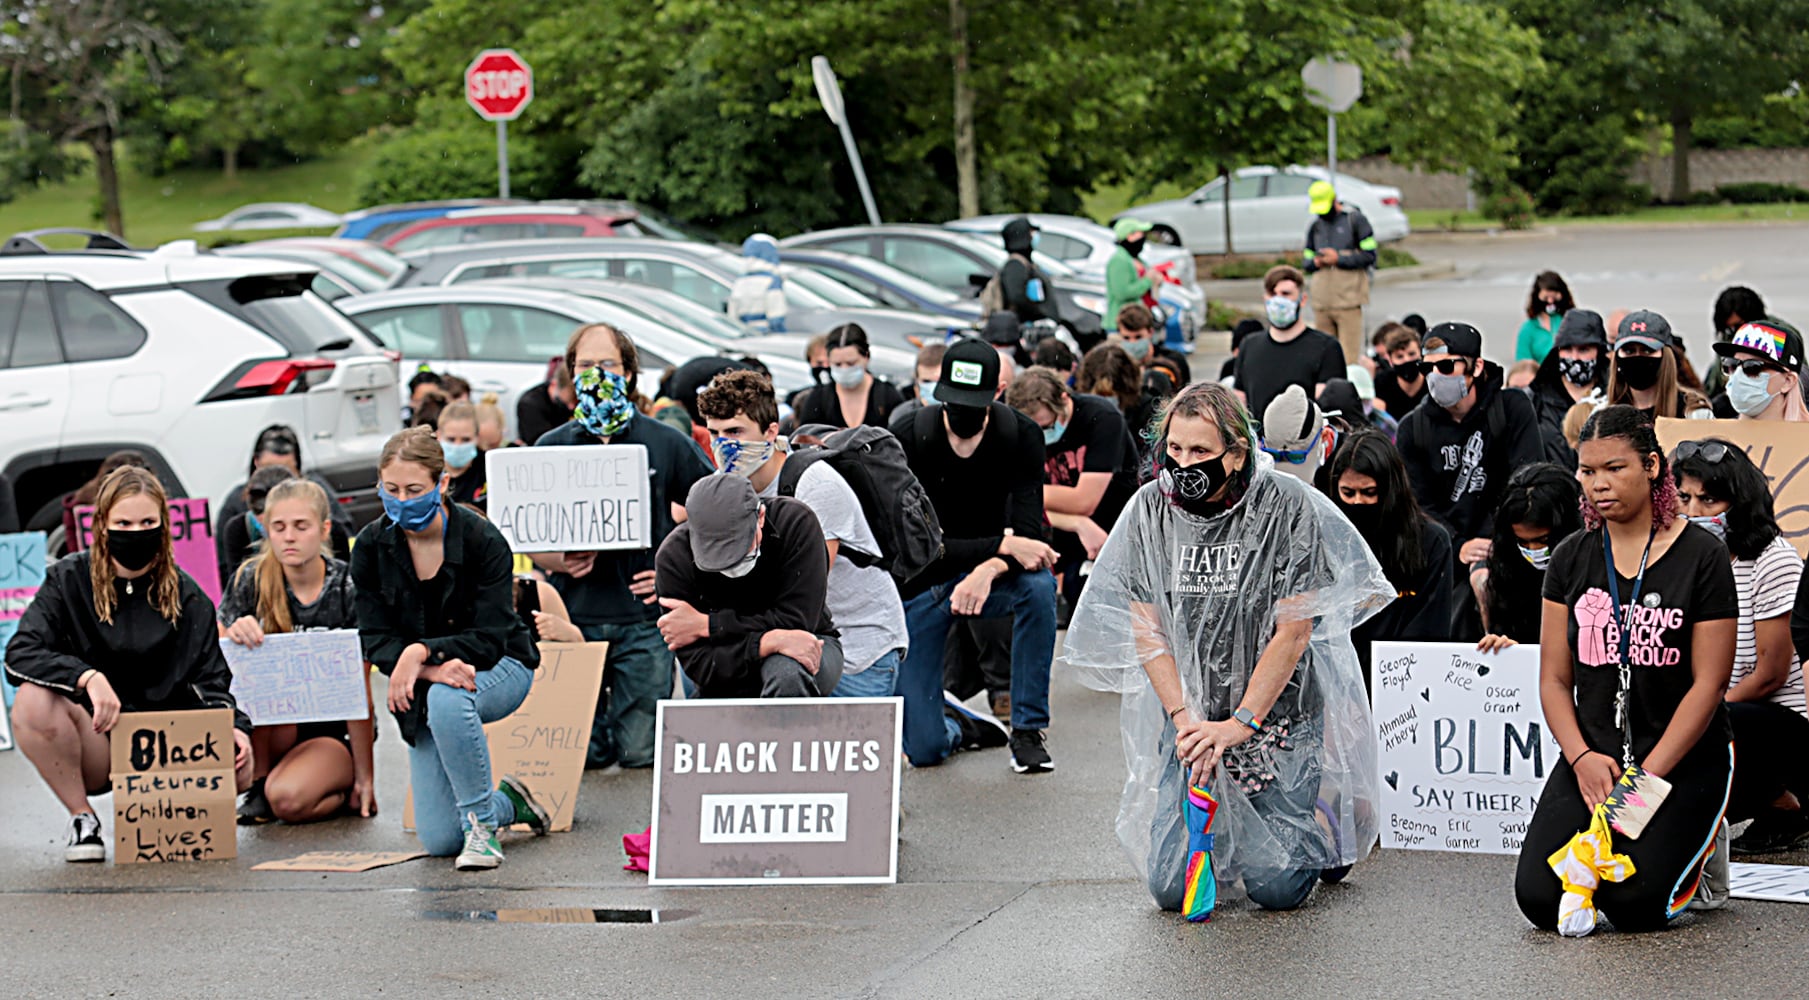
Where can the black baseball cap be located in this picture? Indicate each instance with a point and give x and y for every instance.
(1647, 328)
(1772, 339)
(1460, 339)
(970, 373)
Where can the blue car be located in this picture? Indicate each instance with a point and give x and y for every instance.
(380, 221)
(885, 283)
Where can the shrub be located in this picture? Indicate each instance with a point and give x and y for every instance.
(1760, 193)
(1511, 205)
(427, 164)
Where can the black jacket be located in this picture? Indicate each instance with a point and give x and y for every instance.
(1458, 470)
(1345, 231)
(821, 405)
(1014, 277)
(787, 589)
(476, 621)
(1551, 402)
(233, 543)
(1420, 614)
(153, 664)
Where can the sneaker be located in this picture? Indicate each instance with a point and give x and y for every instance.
(481, 848)
(1028, 755)
(978, 730)
(1711, 885)
(1001, 706)
(527, 810)
(254, 807)
(85, 842)
(1774, 832)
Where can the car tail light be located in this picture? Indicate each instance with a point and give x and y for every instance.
(1392, 202)
(275, 377)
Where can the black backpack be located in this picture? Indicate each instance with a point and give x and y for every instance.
(898, 510)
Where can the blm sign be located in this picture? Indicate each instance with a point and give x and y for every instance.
(751, 791)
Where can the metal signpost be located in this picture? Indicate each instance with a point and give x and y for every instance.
(830, 93)
(498, 85)
(1334, 86)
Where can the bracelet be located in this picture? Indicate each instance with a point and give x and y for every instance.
(1176, 711)
(1586, 752)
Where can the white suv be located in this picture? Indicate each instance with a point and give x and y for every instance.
(183, 356)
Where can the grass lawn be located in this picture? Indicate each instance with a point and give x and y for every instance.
(160, 209)
(1426, 220)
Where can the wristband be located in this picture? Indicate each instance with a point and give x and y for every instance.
(1176, 711)
(1586, 752)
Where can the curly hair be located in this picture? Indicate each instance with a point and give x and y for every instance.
(1630, 425)
(740, 391)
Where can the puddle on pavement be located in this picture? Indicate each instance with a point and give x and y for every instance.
(564, 915)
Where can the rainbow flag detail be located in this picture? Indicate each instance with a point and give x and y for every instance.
(1202, 887)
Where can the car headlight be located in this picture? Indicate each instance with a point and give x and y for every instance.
(1091, 303)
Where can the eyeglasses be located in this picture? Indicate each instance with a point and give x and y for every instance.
(1710, 451)
(611, 365)
(1444, 366)
(1750, 367)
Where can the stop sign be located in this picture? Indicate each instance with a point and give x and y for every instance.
(499, 84)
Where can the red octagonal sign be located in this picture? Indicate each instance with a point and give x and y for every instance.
(499, 84)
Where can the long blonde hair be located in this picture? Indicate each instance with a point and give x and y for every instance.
(1665, 389)
(165, 579)
(272, 587)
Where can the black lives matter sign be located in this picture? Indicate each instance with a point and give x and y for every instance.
(581, 498)
(173, 791)
(751, 791)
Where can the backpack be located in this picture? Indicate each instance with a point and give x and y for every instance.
(992, 296)
(898, 510)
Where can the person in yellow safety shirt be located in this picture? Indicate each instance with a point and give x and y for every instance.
(1340, 251)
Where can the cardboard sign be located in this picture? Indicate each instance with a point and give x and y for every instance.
(339, 861)
(544, 741)
(300, 677)
(1781, 451)
(582, 498)
(1774, 883)
(191, 537)
(1462, 744)
(173, 792)
(750, 791)
(22, 566)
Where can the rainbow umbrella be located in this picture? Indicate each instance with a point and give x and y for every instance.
(1202, 888)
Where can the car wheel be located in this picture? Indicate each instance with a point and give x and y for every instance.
(1163, 234)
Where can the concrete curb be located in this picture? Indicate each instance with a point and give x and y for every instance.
(1247, 291)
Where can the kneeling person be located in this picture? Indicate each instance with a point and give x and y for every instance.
(744, 584)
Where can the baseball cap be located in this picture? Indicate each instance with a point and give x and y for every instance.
(1460, 339)
(1340, 398)
(1581, 328)
(1645, 327)
(1323, 196)
(970, 373)
(1771, 339)
(1123, 228)
(1292, 422)
(722, 513)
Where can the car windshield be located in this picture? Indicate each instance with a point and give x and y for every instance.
(379, 261)
(808, 288)
(702, 320)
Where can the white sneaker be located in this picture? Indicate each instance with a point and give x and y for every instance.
(85, 843)
(482, 851)
(1712, 887)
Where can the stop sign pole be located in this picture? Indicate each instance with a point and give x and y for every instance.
(1334, 86)
(498, 85)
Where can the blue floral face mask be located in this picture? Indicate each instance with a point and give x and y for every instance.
(604, 404)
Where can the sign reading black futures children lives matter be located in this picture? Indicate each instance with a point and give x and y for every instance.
(1462, 744)
(750, 791)
(583, 498)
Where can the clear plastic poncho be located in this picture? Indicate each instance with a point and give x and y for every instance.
(1302, 793)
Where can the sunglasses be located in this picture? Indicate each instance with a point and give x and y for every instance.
(1750, 367)
(1444, 366)
(1711, 452)
(1291, 457)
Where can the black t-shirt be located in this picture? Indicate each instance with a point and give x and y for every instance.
(537, 412)
(821, 405)
(1691, 582)
(1096, 440)
(1265, 368)
(1397, 399)
(473, 487)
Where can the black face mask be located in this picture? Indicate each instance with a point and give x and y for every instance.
(1365, 517)
(1189, 486)
(1638, 372)
(135, 550)
(1132, 247)
(965, 421)
(820, 373)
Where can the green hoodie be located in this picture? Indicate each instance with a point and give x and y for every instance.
(1123, 286)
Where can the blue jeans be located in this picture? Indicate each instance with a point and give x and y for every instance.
(450, 761)
(1029, 598)
(877, 681)
(637, 673)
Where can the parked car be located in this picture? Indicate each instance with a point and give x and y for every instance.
(960, 263)
(271, 215)
(517, 222)
(379, 221)
(884, 283)
(697, 271)
(1269, 211)
(499, 336)
(183, 356)
(347, 267)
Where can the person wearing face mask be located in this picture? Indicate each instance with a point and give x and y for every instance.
(853, 397)
(276, 445)
(1538, 511)
(981, 463)
(1296, 434)
(1340, 252)
(1763, 365)
(244, 534)
(1138, 335)
(1401, 385)
(1025, 290)
(1289, 352)
(1644, 375)
(468, 482)
(610, 594)
(1734, 307)
(1463, 443)
(1089, 467)
(115, 628)
(1222, 608)
(862, 598)
(1368, 482)
(1546, 306)
(1721, 490)
(1574, 367)
(1126, 282)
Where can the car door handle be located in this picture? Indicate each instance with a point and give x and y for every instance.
(23, 401)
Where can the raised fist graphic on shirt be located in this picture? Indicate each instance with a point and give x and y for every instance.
(1594, 611)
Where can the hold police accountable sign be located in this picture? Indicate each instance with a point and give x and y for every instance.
(750, 791)
(582, 498)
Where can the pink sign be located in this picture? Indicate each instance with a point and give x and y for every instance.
(191, 535)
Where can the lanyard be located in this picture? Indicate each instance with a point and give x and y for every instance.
(1623, 617)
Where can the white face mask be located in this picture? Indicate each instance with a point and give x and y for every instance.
(1749, 394)
(744, 567)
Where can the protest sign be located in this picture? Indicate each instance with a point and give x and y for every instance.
(173, 791)
(191, 537)
(1462, 744)
(339, 861)
(750, 791)
(300, 677)
(583, 498)
(22, 566)
(1779, 448)
(544, 741)
(1774, 883)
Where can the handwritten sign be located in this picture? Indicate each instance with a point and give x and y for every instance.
(1779, 448)
(191, 537)
(173, 789)
(543, 742)
(750, 791)
(339, 861)
(1463, 745)
(300, 677)
(1773, 883)
(582, 498)
(22, 566)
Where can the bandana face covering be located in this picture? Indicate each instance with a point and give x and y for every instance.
(1714, 524)
(741, 458)
(1538, 558)
(603, 404)
(1577, 371)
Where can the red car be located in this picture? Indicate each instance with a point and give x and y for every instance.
(517, 222)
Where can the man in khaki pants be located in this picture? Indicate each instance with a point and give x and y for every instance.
(1340, 250)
